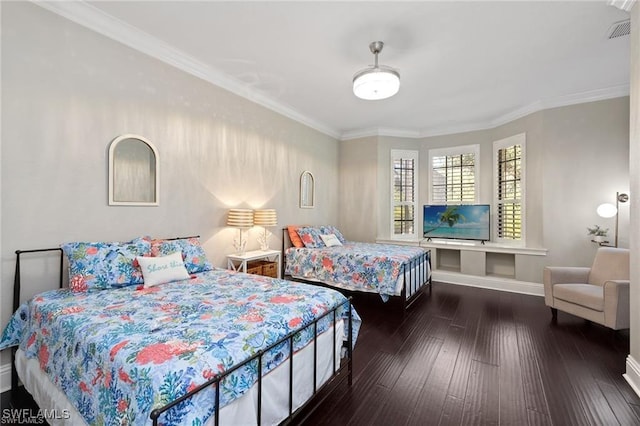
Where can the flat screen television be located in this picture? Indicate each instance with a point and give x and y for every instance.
(457, 221)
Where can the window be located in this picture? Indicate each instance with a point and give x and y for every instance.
(404, 193)
(509, 185)
(454, 175)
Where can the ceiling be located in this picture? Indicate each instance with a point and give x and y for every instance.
(463, 65)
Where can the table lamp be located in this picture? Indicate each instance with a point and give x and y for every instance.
(264, 218)
(243, 220)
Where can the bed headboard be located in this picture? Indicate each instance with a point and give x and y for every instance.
(44, 253)
(286, 239)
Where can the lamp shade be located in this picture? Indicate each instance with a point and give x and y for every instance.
(240, 218)
(376, 83)
(606, 210)
(265, 217)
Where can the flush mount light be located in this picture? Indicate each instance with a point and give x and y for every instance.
(378, 81)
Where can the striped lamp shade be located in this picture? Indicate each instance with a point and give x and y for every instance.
(240, 218)
(265, 217)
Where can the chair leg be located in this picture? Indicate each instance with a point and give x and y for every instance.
(554, 314)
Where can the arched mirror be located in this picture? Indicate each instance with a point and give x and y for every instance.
(133, 172)
(307, 190)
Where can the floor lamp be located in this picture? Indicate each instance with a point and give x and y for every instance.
(608, 210)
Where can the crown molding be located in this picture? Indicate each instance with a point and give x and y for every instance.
(88, 16)
(379, 131)
(561, 101)
(94, 19)
(625, 5)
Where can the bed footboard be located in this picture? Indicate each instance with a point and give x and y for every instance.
(416, 275)
(258, 357)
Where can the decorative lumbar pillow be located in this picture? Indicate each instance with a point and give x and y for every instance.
(102, 265)
(330, 229)
(164, 269)
(330, 240)
(294, 237)
(195, 259)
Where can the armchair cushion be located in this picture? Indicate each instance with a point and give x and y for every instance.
(587, 295)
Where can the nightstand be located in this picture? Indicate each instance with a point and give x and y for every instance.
(239, 262)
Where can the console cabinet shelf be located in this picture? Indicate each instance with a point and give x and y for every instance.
(487, 265)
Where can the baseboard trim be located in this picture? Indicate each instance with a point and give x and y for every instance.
(632, 376)
(492, 283)
(5, 377)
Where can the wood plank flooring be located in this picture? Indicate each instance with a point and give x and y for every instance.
(469, 356)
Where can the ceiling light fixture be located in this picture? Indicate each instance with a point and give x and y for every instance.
(377, 82)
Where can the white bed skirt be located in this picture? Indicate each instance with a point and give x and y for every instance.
(241, 412)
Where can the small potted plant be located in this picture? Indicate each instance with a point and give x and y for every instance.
(598, 235)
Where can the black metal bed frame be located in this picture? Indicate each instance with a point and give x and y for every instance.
(416, 266)
(215, 381)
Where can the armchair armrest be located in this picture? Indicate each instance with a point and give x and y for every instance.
(616, 304)
(562, 275)
(566, 274)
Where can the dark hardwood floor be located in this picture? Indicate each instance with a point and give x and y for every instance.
(469, 356)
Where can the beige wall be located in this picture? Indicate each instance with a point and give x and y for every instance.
(358, 189)
(599, 132)
(577, 158)
(67, 92)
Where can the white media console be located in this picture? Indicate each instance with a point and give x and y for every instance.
(489, 265)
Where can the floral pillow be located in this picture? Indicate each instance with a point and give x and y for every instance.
(101, 265)
(330, 229)
(193, 254)
(310, 237)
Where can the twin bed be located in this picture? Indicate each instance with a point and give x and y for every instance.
(392, 271)
(120, 346)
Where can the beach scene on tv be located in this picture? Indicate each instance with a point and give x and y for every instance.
(461, 222)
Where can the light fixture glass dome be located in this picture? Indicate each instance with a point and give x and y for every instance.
(376, 82)
(606, 210)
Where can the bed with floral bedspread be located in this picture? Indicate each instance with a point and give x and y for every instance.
(117, 354)
(355, 266)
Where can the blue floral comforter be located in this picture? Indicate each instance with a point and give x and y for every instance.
(354, 266)
(119, 353)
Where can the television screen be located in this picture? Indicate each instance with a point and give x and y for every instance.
(459, 221)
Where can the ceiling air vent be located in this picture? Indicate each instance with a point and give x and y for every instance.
(619, 29)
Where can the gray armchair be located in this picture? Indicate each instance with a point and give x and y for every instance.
(599, 293)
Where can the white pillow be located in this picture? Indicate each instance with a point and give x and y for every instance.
(330, 240)
(164, 269)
